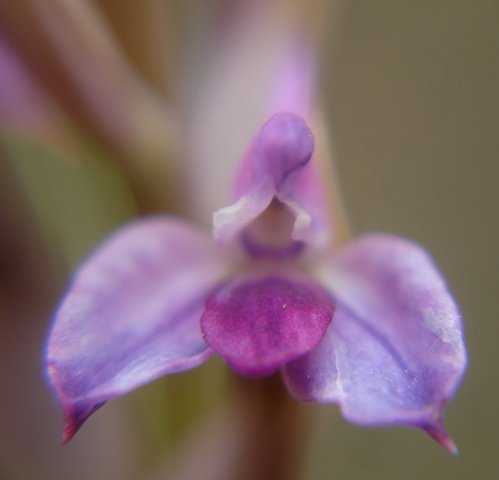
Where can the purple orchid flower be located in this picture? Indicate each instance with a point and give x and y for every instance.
(371, 327)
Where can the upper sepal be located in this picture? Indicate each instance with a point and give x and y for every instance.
(277, 168)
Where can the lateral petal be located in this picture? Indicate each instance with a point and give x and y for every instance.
(132, 314)
(394, 352)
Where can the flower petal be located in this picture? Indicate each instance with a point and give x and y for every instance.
(276, 167)
(394, 353)
(258, 65)
(282, 148)
(258, 325)
(132, 314)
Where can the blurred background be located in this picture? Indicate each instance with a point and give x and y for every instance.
(108, 111)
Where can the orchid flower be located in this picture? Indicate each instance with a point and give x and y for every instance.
(370, 326)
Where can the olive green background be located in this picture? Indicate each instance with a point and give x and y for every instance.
(414, 108)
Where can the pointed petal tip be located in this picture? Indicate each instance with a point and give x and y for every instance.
(69, 431)
(74, 418)
(438, 432)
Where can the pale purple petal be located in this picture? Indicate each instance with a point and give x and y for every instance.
(257, 325)
(132, 314)
(294, 81)
(282, 148)
(277, 167)
(305, 196)
(282, 80)
(257, 67)
(294, 91)
(394, 352)
(231, 220)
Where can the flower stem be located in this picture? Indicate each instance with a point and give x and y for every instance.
(276, 430)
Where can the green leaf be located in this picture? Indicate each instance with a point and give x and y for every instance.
(77, 202)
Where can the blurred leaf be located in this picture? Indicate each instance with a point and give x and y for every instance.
(76, 203)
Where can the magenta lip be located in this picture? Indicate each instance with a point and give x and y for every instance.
(257, 325)
(260, 250)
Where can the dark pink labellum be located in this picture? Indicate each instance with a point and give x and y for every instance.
(259, 325)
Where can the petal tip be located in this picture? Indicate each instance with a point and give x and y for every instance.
(438, 432)
(74, 418)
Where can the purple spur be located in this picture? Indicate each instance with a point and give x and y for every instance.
(370, 326)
